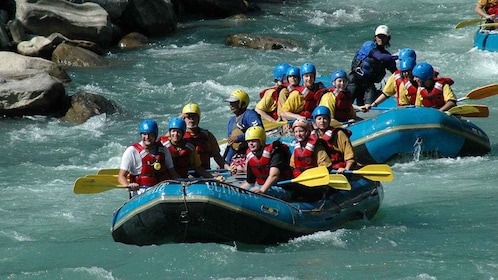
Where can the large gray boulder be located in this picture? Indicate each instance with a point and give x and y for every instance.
(27, 95)
(72, 55)
(16, 63)
(87, 21)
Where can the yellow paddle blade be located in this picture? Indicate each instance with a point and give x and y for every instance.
(462, 110)
(376, 172)
(268, 125)
(314, 177)
(108, 171)
(91, 186)
(339, 182)
(222, 141)
(481, 92)
(470, 110)
(483, 112)
(491, 24)
(468, 22)
(112, 179)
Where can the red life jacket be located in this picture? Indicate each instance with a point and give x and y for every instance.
(343, 103)
(201, 143)
(330, 138)
(260, 167)
(493, 10)
(304, 157)
(311, 98)
(412, 90)
(435, 98)
(181, 156)
(150, 176)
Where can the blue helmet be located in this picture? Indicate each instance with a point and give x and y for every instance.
(148, 126)
(423, 71)
(308, 68)
(339, 74)
(320, 110)
(280, 71)
(177, 123)
(293, 71)
(407, 64)
(407, 52)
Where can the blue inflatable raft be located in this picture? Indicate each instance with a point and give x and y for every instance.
(210, 211)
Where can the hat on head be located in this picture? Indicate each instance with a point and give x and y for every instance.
(232, 98)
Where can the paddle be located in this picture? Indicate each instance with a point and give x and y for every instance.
(319, 176)
(491, 24)
(468, 22)
(103, 177)
(470, 110)
(462, 110)
(339, 182)
(374, 172)
(481, 92)
(313, 177)
(91, 186)
(115, 171)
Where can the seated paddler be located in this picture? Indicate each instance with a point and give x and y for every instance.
(183, 153)
(337, 142)
(267, 164)
(147, 162)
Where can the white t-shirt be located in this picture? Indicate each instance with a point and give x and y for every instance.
(132, 162)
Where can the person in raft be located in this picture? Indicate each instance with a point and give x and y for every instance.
(267, 164)
(147, 162)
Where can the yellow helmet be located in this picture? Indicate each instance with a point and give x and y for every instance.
(192, 108)
(239, 95)
(256, 132)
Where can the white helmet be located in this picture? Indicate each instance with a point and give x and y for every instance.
(382, 29)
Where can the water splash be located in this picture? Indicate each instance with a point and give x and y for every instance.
(417, 149)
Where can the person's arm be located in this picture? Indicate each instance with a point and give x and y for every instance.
(282, 97)
(346, 148)
(479, 9)
(266, 104)
(449, 97)
(271, 180)
(291, 106)
(127, 166)
(383, 56)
